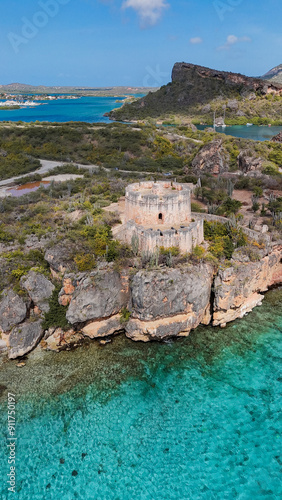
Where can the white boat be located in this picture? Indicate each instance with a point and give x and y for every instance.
(249, 124)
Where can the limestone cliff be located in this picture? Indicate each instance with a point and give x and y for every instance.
(238, 289)
(144, 304)
(169, 303)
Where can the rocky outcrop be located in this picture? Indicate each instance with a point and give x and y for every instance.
(169, 303)
(59, 257)
(160, 303)
(185, 72)
(100, 295)
(56, 339)
(103, 328)
(24, 338)
(233, 104)
(39, 289)
(238, 289)
(248, 163)
(13, 310)
(212, 158)
(277, 138)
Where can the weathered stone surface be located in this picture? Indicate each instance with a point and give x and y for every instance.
(160, 329)
(39, 289)
(24, 338)
(59, 257)
(169, 303)
(98, 296)
(212, 158)
(60, 340)
(248, 163)
(238, 289)
(233, 104)
(157, 294)
(277, 138)
(103, 328)
(12, 310)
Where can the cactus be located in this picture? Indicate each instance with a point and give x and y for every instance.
(135, 243)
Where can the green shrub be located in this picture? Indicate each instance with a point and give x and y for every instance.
(56, 316)
(124, 315)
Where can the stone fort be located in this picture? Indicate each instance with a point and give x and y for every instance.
(159, 214)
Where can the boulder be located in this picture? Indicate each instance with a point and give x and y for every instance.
(24, 338)
(103, 328)
(100, 295)
(169, 303)
(39, 289)
(13, 310)
(233, 105)
(59, 340)
(59, 257)
(212, 158)
(248, 163)
(277, 138)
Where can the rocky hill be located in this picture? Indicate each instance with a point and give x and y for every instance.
(274, 75)
(196, 91)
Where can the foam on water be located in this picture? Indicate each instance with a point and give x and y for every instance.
(194, 419)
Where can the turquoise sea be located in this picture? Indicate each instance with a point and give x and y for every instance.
(92, 109)
(196, 418)
(85, 109)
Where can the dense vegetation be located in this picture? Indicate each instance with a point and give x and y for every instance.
(70, 216)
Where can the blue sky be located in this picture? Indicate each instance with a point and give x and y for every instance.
(134, 42)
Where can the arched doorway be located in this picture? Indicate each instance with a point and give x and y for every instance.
(161, 219)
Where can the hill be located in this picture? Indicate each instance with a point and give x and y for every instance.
(274, 75)
(22, 88)
(196, 92)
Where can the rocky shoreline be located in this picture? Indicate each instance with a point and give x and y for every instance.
(145, 304)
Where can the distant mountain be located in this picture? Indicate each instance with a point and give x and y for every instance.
(197, 93)
(274, 75)
(22, 88)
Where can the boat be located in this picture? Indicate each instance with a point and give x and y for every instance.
(249, 124)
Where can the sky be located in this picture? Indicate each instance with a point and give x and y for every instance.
(134, 42)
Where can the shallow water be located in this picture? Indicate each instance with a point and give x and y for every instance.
(197, 418)
(255, 132)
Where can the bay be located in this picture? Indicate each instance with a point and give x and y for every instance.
(254, 132)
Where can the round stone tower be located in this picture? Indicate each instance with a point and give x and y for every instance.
(158, 203)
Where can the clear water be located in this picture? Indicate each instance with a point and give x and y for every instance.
(255, 132)
(197, 418)
(85, 109)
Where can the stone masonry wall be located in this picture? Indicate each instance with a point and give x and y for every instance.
(166, 203)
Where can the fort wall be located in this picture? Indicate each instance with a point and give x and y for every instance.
(161, 203)
(185, 238)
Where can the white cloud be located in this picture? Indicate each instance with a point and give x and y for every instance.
(149, 11)
(196, 40)
(232, 40)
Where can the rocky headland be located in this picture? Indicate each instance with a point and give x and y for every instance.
(197, 92)
(145, 304)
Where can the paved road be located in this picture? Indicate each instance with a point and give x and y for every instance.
(46, 166)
